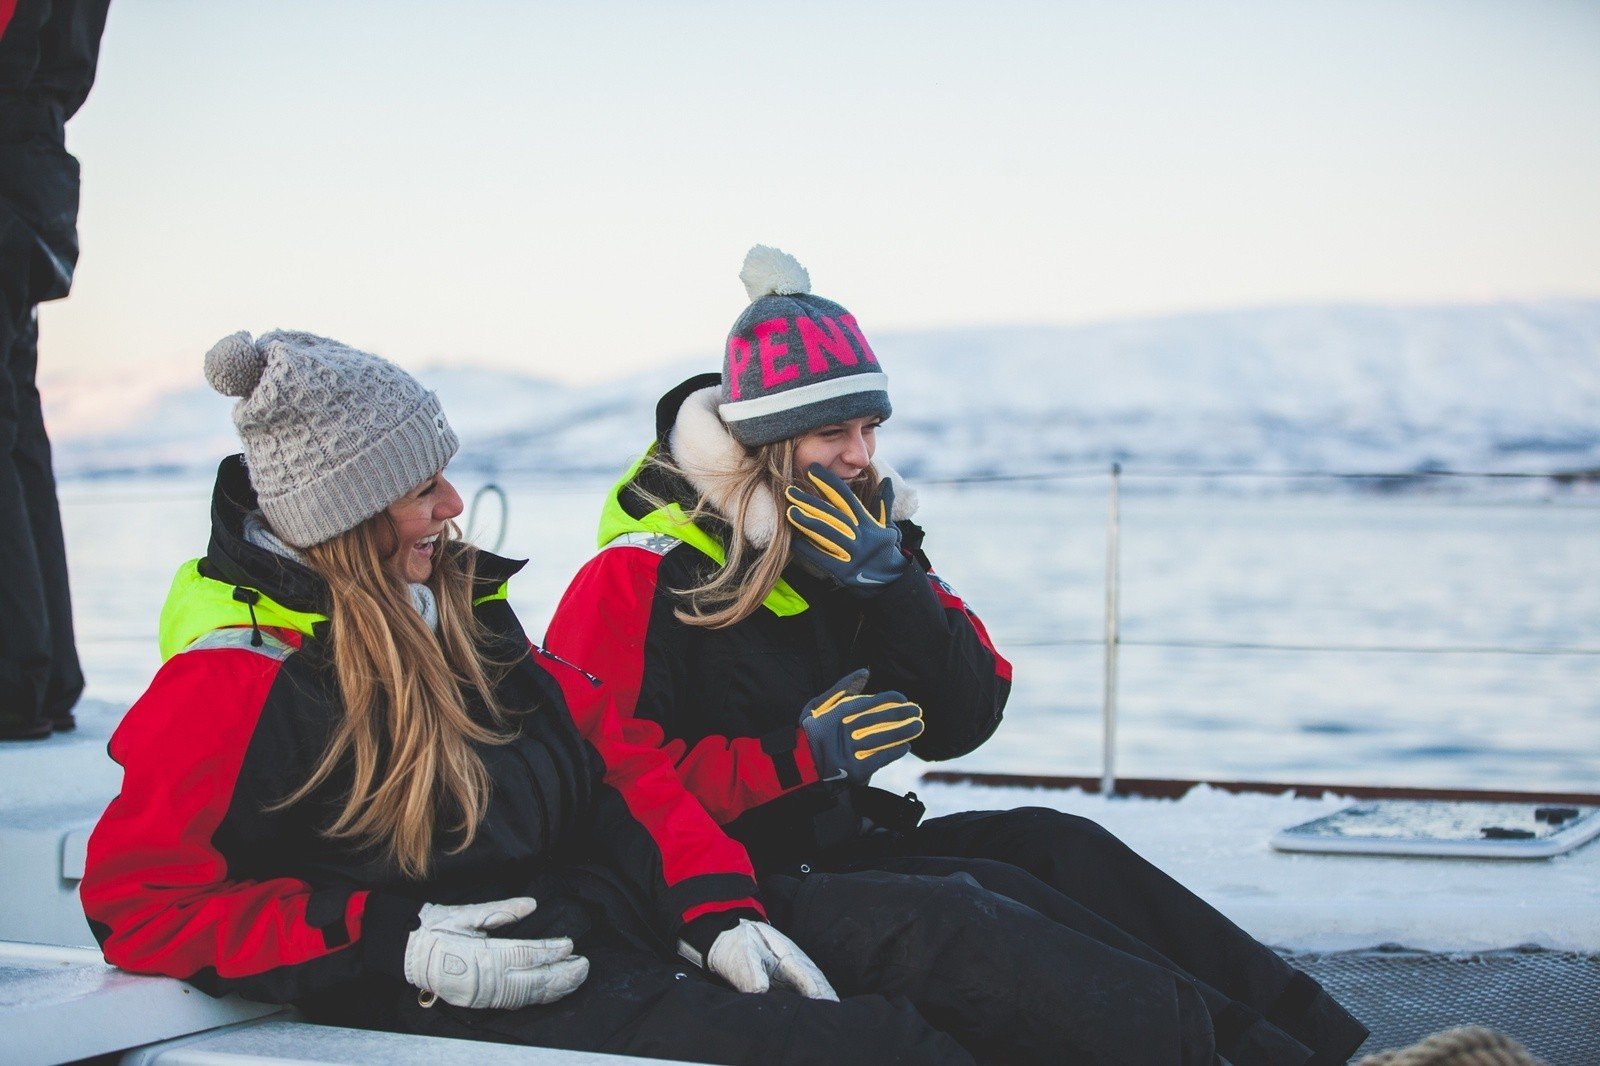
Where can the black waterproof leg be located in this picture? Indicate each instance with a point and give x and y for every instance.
(1087, 864)
(635, 1004)
(35, 472)
(1010, 984)
(1243, 1037)
(24, 620)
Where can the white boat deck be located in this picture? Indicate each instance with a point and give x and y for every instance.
(65, 1004)
(62, 1004)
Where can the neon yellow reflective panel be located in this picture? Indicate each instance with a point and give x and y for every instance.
(671, 521)
(196, 605)
(501, 593)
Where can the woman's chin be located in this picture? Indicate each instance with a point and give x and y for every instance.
(413, 569)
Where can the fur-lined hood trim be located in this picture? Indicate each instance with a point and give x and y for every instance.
(709, 455)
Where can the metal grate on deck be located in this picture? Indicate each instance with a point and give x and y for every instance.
(1547, 1000)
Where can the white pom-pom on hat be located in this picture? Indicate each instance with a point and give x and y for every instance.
(772, 272)
(234, 365)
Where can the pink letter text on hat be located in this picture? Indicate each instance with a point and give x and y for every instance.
(819, 345)
(738, 359)
(771, 349)
(849, 323)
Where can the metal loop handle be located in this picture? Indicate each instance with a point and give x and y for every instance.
(489, 488)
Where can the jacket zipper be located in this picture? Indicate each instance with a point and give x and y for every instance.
(623, 888)
(594, 682)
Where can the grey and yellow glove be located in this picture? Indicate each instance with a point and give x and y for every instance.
(841, 538)
(452, 956)
(853, 736)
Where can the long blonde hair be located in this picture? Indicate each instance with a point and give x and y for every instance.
(406, 733)
(749, 573)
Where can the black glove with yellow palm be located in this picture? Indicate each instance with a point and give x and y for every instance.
(853, 736)
(843, 540)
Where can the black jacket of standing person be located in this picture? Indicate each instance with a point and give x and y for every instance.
(48, 53)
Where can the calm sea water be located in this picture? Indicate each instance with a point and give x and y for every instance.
(1359, 572)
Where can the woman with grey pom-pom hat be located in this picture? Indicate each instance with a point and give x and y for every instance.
(357, 787)
(765, 606)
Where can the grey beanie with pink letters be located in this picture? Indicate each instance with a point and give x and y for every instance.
(794, 361)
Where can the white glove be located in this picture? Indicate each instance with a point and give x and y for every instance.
(452, 956)
(752, 956)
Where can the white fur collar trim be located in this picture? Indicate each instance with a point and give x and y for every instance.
(710, 458)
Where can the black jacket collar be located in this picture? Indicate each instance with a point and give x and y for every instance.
(667, 407)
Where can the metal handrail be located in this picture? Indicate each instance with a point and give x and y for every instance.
(1057, 474)
(1112, 639)
(490, 488)
(1253, 645)
(1308, 474)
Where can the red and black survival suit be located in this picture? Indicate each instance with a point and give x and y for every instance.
(192, 871)
(725, 705)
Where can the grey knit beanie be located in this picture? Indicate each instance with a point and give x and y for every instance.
(794, 361)
(331, 435)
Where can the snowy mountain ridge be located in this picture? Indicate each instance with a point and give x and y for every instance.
(1499, 387)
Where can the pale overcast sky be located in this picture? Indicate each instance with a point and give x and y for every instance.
(570, 188)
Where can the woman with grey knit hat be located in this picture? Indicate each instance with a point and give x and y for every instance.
(764, 598)
(354, 785)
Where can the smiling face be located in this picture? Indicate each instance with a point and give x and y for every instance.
(419, 517)
(844, 448)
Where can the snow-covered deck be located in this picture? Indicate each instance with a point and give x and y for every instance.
(1217, 844)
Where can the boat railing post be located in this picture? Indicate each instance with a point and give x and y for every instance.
(1108, 764)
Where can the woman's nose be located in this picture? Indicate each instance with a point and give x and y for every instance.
(449, 505)
(856, 453)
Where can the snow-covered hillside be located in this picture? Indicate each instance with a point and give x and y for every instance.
(1498, 387)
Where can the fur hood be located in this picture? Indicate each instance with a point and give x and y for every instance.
(707, 453)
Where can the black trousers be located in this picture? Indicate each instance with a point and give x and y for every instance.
(636, 1004)
(1009, 983)
(1076, 951)
(48, 54)
(931, 969)
(1080, 878)
(958, 973)
(40, 678)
